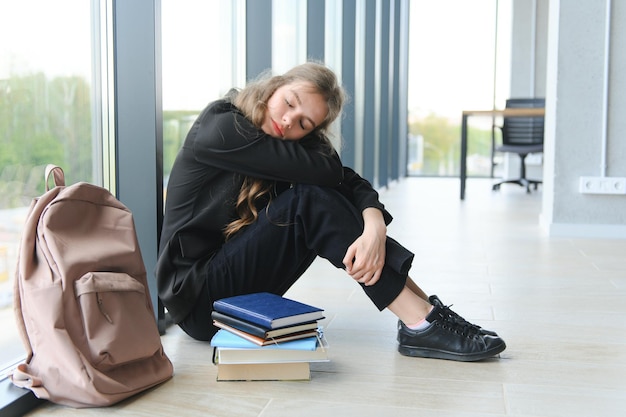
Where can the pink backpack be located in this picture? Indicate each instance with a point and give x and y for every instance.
(82, 300)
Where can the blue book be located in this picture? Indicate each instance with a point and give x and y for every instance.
(229, 348)
(226, 339)
(268, 310)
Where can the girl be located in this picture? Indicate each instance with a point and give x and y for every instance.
(257, 192)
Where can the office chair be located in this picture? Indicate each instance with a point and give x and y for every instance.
(523, 136)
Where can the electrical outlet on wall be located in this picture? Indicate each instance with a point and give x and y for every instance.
(602, 185)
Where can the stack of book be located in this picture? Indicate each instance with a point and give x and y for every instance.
(264, 336)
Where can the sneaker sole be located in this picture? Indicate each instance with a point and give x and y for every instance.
(453, 356)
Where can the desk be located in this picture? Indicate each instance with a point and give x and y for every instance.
(510, 112)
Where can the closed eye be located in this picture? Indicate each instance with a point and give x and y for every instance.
(306, 120)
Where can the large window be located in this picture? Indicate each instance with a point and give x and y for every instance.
(459, 59)
(288, 34)
(46, 116)
(333, 54)
(202, 59)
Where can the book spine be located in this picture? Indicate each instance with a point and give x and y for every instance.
(251, 328)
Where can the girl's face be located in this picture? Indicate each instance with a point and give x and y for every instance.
(293, 111)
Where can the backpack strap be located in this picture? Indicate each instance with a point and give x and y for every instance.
(58, 174)
(24, 379)
(27, 250)
(21, 326)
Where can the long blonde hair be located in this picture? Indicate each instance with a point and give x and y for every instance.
(252, 101)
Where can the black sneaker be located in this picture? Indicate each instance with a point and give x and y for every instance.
(434, 300)
(445, 338)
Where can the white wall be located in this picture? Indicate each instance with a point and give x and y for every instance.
(575, 76)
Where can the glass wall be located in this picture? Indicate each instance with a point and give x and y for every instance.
(46, 116)
(457, 61)
(202, 59)
(289, 29)
(333, 52)
(197, 34)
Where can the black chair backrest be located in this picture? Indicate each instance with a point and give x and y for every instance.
(523, 130)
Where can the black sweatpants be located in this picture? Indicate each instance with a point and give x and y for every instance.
(270, 255)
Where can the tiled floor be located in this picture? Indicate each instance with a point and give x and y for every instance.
(559, 303)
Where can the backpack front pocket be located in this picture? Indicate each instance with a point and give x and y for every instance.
(119, 325)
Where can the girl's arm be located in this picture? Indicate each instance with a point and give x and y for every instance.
(224, 138)
(365, 257)
(361, 193)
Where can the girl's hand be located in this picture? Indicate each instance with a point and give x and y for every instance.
(365, 257)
